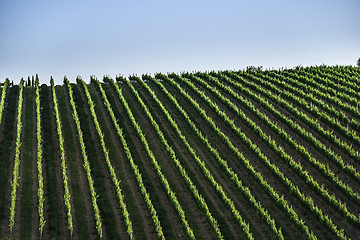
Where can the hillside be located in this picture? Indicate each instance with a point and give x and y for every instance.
(249, 154)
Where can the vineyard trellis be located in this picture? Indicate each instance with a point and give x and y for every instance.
(254, 154)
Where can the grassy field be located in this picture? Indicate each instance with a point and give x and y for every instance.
(254, 154)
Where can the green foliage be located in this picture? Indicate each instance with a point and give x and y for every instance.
(49, 164)
(16, 176)
(2, 101)
(86, 164)
(146, 195)
(8, 123)
(239, 155)
(65, 179)
(245, 190)
(111, 170)
(309, 171)
(40, 193)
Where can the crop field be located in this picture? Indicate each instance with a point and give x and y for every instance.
(252, 154)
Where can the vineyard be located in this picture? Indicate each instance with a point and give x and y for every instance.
(251, 154)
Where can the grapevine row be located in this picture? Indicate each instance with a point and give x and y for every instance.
(303, 116)
(322, 116)
(40, 192)
(288, 83)
(65, 179)
(341, 74)
(271, 143)
(257, 175)
(315, 81)
(348, 103)
(112, 173)
(335, 90)
(296, 166)
(158, 170)
(330, 154)
(332, 97)
(2, 101)
(134, 167)
(337, 97)
(350, 88)
(16, 176)
(351, 102)
(181, 169)
(245, 190)
(300, 149)
(86, 164)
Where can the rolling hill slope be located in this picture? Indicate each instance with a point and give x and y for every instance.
(249, 154)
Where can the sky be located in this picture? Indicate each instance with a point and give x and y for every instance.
(124, 37)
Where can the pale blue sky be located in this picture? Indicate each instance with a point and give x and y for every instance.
(88, 37)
